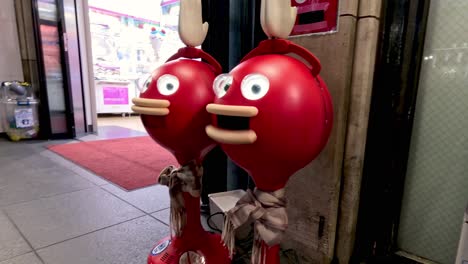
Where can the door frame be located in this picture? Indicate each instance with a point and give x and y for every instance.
(73, 65)
(85, 43)
(390, 128)
(44, 111)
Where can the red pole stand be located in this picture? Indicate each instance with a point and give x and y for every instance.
(194, 239)
(272, 254)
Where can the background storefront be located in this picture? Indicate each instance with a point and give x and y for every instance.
(128, 42)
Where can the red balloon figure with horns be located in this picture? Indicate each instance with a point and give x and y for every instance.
(173, 112)
(272, 116)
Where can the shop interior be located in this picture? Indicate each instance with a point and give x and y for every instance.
(128, 41)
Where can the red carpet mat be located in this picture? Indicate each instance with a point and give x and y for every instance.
(128, 162)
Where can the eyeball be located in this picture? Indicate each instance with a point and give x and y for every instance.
(168, 84)
(255, 86)
(221, 84)
(144, 82)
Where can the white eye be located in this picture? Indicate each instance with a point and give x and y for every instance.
(144, 82)
(221, 84)
(255, 86)
(168, 84)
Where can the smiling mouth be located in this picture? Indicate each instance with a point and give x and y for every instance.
(233, 124)
(154, 107)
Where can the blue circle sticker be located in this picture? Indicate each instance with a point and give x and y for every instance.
(161, 247)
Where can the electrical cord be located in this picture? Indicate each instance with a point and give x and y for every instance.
(209, 223)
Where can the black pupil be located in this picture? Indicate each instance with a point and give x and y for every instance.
(256, 88)
(169, 86)
(226, 87)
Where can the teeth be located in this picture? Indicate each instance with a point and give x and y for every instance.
(156, 103)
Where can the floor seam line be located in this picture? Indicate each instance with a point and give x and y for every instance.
(157, 211)
(16, 256)
(22, 235)
(38, 256)
(158, 220)
(116, 196)
(87, 233)
(45, 197)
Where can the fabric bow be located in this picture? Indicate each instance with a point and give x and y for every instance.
(184, 179)
(267, 211)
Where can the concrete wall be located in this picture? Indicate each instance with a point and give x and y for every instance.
(10, 58)
(27, 43)
(323, 189)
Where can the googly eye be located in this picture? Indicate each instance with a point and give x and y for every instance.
(255, 86)
(144, 82)
(168, 84)
(221, 84)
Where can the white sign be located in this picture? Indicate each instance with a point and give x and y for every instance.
(161, 247)
(24, 117)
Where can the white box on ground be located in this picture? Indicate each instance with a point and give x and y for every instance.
(462, 256)
(222, 202)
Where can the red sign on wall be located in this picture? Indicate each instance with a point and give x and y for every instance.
(315, 16)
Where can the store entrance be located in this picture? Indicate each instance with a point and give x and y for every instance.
(129, 39)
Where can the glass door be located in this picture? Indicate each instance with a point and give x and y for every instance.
(62, 112)
(436, 187)
(52, 76)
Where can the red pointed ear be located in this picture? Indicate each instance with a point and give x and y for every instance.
(283, 46)
(194, 53)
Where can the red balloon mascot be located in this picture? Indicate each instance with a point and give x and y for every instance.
(173, 112)
(272, 116)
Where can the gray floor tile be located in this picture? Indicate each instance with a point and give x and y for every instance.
(17, 155)
(8, 148)
(44, 143)
(163, 216)
(113, 132)
(28, 159)
(91, 137)
(75, 168)
(12, 243)
(38, 162)
(50, 220)
(126, 243)
(28, 184)
(149, 199)
(29, 258)
(90, 176)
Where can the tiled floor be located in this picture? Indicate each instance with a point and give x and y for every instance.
(117, 127)
(130, 122)
(55, 212)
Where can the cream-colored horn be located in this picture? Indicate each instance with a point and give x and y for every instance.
(277, 18)
(262, 18)
(192, 30)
